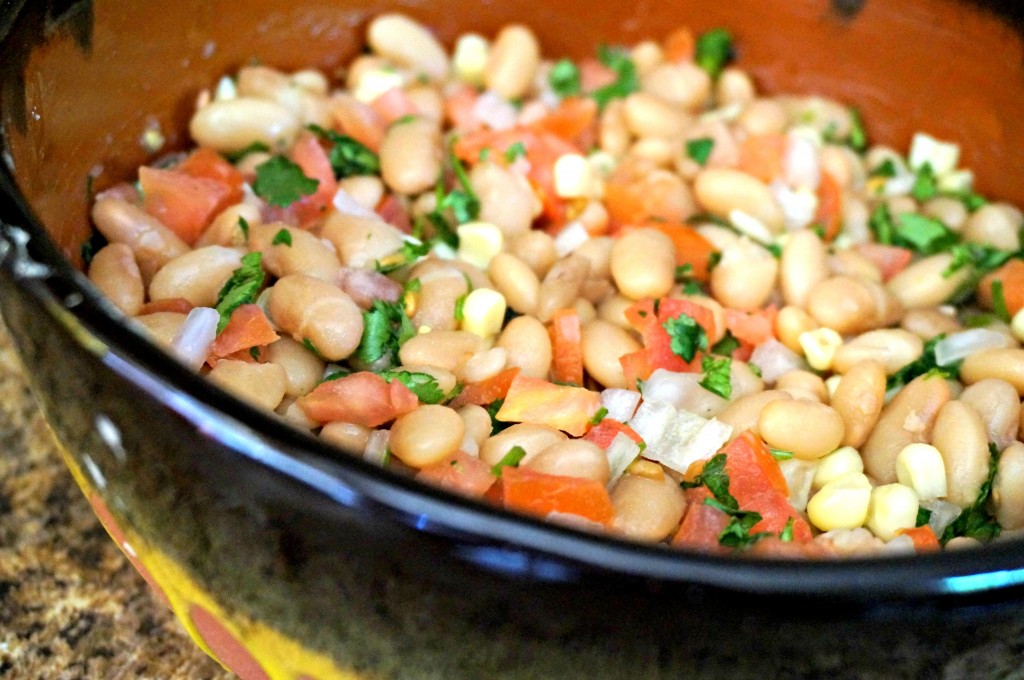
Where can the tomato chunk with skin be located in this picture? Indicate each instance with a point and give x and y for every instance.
(486, 391)
(657, 352)
(566, 332)
(461, 473)
(248, 327)
(361, 398)
(702, 524)
(604, 432)
(536, 493)
(184, 204)
(566, 408)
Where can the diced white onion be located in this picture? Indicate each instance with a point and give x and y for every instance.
(346, 204)
(956, 181)
(900, 185)
(965, 343)
(376, 447)
(799, 475)
(800, 165)
(226, 90)
(941, 156)
(621, 454)
(799, 206)
(469, 446)
(683, 391)
(775, 360)
(621, 404)
(943, 514)
(495, 111)
(191, 344)
(572, 236)
(751, 226)
(677, 439)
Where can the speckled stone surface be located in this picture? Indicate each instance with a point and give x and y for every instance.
(71, 606)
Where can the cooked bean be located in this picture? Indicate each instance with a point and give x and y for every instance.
(513, 62)
(803, 385)
(994, 225)
(426, 436)
(348, 436)
(613, 310)
(893, 348)
(561, 286)
(234, 124)
(959, 435)
(361, 241)
(532, 438)
(1008, 487)
(411, 155)
(598, 251)
(301, 253)
(745, 276)
(449, 350)
(859, 399)
(506, 199)
(744, 413)
(309, 106)
(802, 266)
(927, 323)
(792, 322)
(160, 327)
(536, 249)
(613, 132)
(113, 270)
(226, 228)
(908, 419)
(643, 264)
(1004, 364)
(948, 210)
(806, 428)
(844, 165)
(154, 244)
(922, 284)
(648, 115)
(196, 276)
(723, 191)
(997, 403)
(302, 368)
(572, 458)
(645, 509)
(262, 385)
(853, 264)
(734, 87)
(366, 190)
(408, 43)
(438, 296)
(477, 422)
(528, 345)
(314, 310)
(763, 117)
(743, 380)
(603, 344)
(485, 364)
(681, 83)
(516, 281)
(848, 305)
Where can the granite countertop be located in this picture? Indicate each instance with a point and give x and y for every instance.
(71, 605)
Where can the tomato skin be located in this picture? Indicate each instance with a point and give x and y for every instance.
(1011, 275)
(762, 156)
(566, 331)
(486, 391)
(248, 327)
(394, 104)
(360, 122)
(924, 538)
(536, 493)
(362, 398)
(209, 164)
(890, 260)
(532, 400)
(830, 206)
(184, 204)
(701, 525)
(657, 352)
(605, 432)
(462, 473)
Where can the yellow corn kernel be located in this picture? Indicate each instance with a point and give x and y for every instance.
(376, 82)
(841, 462)
(841, 504)
(1017, 325)
(832, 384)
(820, 347)
(892, 507)
(479, 242)
(470, 58)
(573, 177)
(921, 467)
(646, 468)
(483, 312)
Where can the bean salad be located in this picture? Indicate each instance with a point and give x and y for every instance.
(629, 293)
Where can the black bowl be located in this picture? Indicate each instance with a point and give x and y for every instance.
(281, 556)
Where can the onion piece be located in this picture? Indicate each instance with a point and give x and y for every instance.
(775, 360)
(621, 404)
(346, 204)
(943, 514)
(572, 236)
(621, 454)
(965, 343)
(494, 111)
(376, 448)
(683, 391)
(191, 344)
(799, 475)
(800, 165)
(677, 439)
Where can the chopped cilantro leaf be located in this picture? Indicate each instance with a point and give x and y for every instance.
(460, 305)
(923, 234)
(925, 183)
(924, 515)
(514, 151)
(716, 376)
(280, 182)
(692, 288)
(999, 301)
(254, 352)
(91, 246)
(497, 425)
(700, 149)
(599, 416)
(775, 249)
(713, 51)
(858, 138)
(713, 260)
(410, 251)
(386, 327)
(243, 225)
(564, 78)
(282, 238)
(886, 169)
(726, 346)
(626, 79)
(514, 456)
(923, 365)
(242, 288)
(255, 147)
(423, 385)
(779, 454)
(687, 336)
(737, 533)
(402, 120)
(786, 535)
(348, 156)
(982, 258)
(881, 225)
(308, 344)
(974, 521)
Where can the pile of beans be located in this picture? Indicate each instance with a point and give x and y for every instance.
(793, 211)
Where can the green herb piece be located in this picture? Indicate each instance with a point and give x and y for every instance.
(700, 149)
(713, 51)
(975, 521)
(386, 327)
(923, 365)
(726, 346)
(755, 369)
(255, 147)
(737, 533)
(858, 139)
(713, 259)
(280, 182)
(779, 454)
(716, 376)
(923, 234)
(308, 344)
(497, 425)
(692, 288)
(775, 249)
(336, 375)
(999, 301)
(282, 238)
(924, 515)
(402, 120)
(881, 225)
(91, 246)
(714, 477)
(460, 306)
(925, 183)
(886, 169)
(348, 156)
(242, 288)
(243, 226)
(423, 385)
(564, 78)
(254, 352)
(786, 535)
(599, 416)
(687, 336)
(410, 252)
(983, 259)
(484, 155)
(514, 456)
(626, 79)
(514, 151)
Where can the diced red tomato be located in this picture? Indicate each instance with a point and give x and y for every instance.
(679, 45)
(604, 432)
(394, 213)
(640, 199)
(361, 398)
(360, 122)
(247, 327)
(594, 75)
(459, 107)
(179, 305)
(830, 206)
(540, 494)
(573, 117)
(532, 400)
(309, 155)
(890, 260)
(924, 538)
(208, 164)
(1011, 275)
(461, 473)
(486, 391)
(184, 204)
(763, 156)
(566, 332)
(657, 352)
(394, 104)
(702, 524)
(752, 328)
